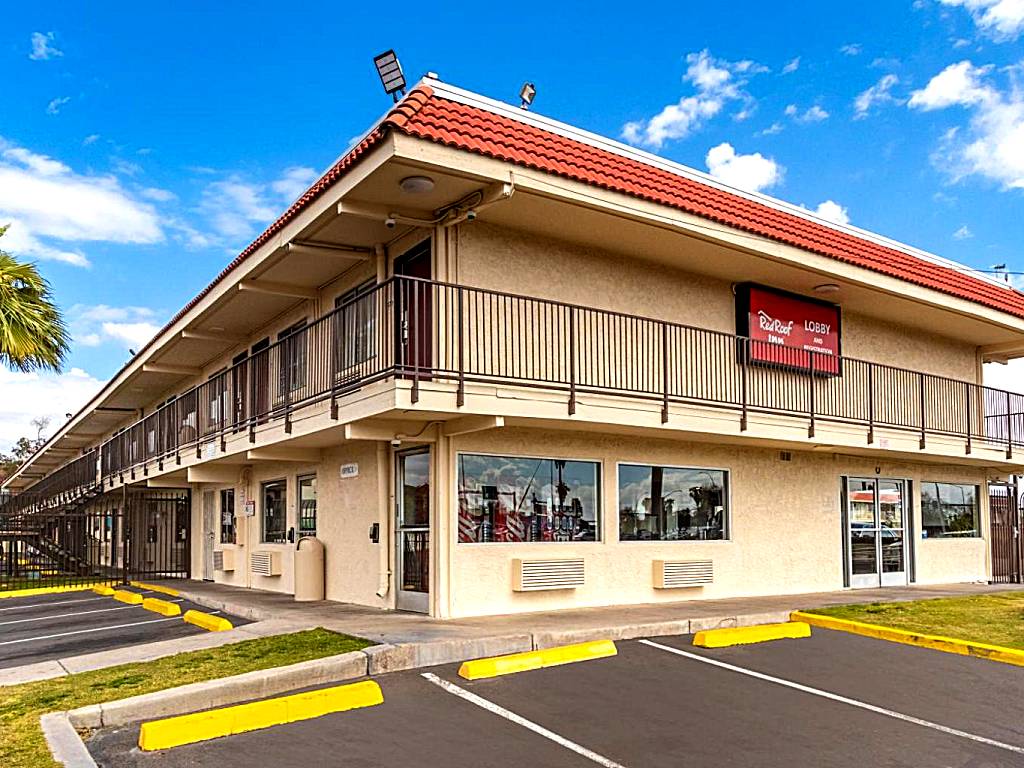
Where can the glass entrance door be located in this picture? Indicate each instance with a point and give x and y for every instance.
(876, 515)
(413, 527)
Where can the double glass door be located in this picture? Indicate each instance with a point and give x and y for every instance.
(413, 528)
(876, 515)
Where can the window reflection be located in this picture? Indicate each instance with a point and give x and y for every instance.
(949, 510)
(671, 503)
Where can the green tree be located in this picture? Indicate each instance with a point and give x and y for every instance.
(33, 335)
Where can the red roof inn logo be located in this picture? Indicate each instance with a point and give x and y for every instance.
(772, 326)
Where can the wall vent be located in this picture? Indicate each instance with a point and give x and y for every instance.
(785, 456)
(537, 575)
(265, 563)
(223, 559)
(673, 574)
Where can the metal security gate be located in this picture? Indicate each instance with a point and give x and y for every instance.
(1004, 511)
(114, 538)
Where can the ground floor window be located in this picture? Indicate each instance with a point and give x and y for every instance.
(307, 505)
(949, 510)
(672, 503)
(227, 516)
(515, 499)
(274, 512)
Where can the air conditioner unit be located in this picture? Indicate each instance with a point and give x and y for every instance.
(265, 563)
(223, 559)
(673, 574)
(537, 575)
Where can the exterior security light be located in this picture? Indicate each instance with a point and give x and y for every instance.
(526, 93)
(417, 185)
(826, 288)
(390, 71)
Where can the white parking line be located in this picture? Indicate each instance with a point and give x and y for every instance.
(44, 605)
(84, 631)
(836, 697)
(76, 613)
(490, 706)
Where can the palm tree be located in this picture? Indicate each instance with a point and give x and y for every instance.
(32, 331)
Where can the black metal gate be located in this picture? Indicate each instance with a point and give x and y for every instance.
(114, 538)
(1004, 510)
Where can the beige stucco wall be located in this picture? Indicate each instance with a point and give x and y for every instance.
(345, 510)
(519, 262)
(786, 530)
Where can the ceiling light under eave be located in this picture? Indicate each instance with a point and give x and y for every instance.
(827, 288)
(417, 185)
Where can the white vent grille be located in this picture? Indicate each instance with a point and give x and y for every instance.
(673, 574)
(223, 560)
(265, 563)
(536, 575)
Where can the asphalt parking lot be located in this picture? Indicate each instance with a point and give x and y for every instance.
(57, 626)
(830, 700)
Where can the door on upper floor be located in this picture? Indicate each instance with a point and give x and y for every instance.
(414, 308)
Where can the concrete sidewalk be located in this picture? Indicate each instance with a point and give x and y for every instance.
(554, 627)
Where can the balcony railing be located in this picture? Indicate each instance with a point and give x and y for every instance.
(420, 331)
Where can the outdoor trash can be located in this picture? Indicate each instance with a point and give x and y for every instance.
(309, 569)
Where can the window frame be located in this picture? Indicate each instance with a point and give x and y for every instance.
(234, 516)
(263, 510)
(979, 533)
(348, 356)
(299, 531)
(599, 517)
(726, 518)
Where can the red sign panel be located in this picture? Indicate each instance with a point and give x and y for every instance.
(785, 329)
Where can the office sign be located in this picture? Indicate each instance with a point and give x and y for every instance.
(789, 330)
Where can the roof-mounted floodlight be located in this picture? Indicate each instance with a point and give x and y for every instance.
(391, 75)
(526, 94)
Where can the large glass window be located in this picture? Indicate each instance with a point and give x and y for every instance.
(227, 516)
(672, 503)
(355, 327)
(292, 358)
(949, 510)
(274, 512)
(307, 505)
(514, 499)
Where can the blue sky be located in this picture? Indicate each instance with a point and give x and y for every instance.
(143, 145)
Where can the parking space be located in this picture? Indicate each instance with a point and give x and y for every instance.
(830, 700)
(45, 627)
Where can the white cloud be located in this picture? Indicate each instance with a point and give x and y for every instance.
(125, 167)
(53, 108)
(1000, 19)
(44, 200)
(716, 82)
(813, 114)
(832, 211)
(851, 49)
(26, 396)
(157, 194)
(129, 326)
(992, 146)
(964, 233)
(879, 93)
(771, 130)
(92, 138)
(959, 83)
(791, 66)
(43, 48)
(293, 182)
(752, 172)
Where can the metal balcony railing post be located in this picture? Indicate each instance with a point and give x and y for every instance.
(871, 403)
(810, 379)
(572, 360)
(285, 373)
(1009, 429)
(460, 395)
(967, 389)
(745, 351)
(664, 373)
(415, 330)
(920, 378)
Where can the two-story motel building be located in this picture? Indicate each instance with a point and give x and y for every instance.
(498, 364)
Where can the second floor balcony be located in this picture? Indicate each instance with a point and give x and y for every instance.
(418, 334)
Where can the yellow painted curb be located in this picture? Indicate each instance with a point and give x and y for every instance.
(46, 590)
(162, 607)
(155, 588)
(208, 621)
(202, 726)
(547, 657)
(132, 598)
(935, 642)
(761, 633)
(104, 590)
